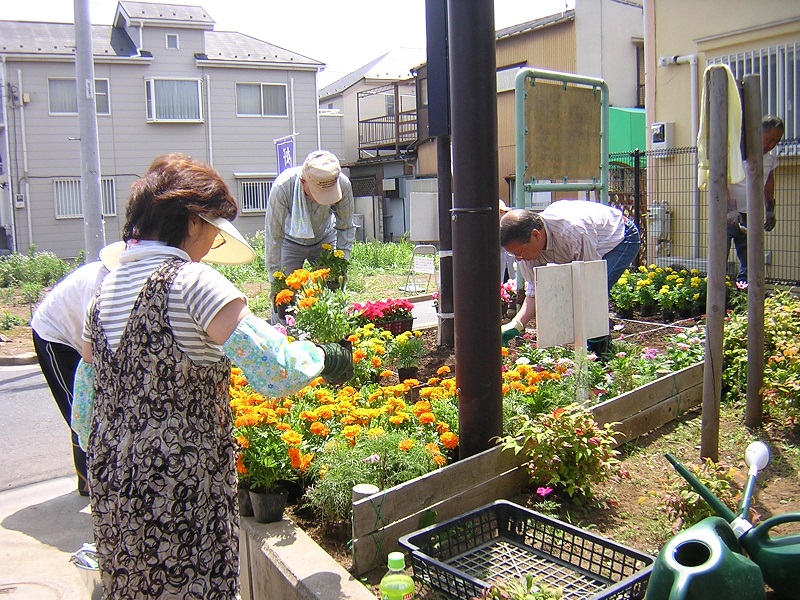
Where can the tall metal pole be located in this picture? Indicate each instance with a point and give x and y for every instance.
(93, 227)
(715, 302)
(476, 238)
(754, 154)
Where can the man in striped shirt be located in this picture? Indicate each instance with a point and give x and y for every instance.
(565, 231)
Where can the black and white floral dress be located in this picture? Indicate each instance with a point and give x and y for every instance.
(161, 460)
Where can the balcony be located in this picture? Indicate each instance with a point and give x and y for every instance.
(384, 131)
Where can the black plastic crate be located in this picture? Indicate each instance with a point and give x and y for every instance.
(503, 541)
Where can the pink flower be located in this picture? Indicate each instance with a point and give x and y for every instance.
(544, 491)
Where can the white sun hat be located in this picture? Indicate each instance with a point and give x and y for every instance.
(235, 250)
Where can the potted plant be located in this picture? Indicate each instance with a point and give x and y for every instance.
(405, 352)
(333, 260)
(269, 455)
(624, 296)
(319, 314)
(370, 347)
(394, 314)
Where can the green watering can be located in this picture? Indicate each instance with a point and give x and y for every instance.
(684, 568)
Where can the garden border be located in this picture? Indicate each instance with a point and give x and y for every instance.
(381, 519)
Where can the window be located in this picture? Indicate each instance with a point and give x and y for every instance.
(779, 69)
(506, 79)
(423, 92)
(261, 100)
(390, 105)
(254, 193)
(173, 100)
(69, 202)
(63, 96)
(172, 41)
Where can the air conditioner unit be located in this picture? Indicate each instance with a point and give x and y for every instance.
(391, 188)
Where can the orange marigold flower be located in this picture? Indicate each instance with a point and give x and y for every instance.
(240, 468)
(351, 431)
(359, 355)
(406, 444)
(386, 373)
(503, 351)
(375, 432)
(441, 427)
(399, 418)
(434, 381)
(427, 418)
(449, 440)
(444, 370)
(307, 302)
(298, 278)
(432, 448)
(420, 407)
(319, 429)
(292, 438)
(294, 457)
(284, 297)
(324, 412)
(283, 426)
(243, 441)
(439, 460)
(376, 362)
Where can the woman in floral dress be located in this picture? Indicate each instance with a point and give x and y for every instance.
(159, 337)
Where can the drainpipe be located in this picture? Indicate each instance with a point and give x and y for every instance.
(25, 158)
(210, 148)
(8, 206)
(691, 60)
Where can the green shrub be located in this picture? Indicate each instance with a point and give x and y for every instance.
(684, 503)
(9, 321)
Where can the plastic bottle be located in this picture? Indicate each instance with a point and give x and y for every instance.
(396, 585)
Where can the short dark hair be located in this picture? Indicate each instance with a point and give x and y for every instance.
(517, 226)
(772, 122)
(174, 188)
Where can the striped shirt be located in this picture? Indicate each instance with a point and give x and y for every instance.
(576, 230)
(197, 295)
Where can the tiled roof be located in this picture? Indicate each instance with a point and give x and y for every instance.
(567, 15)
(25, 37)
(392, 66)
(230, 45)
(147, 11)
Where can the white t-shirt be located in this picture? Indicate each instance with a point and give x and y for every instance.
(738, 191)
(59, 317)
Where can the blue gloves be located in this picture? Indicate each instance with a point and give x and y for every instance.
(511, 330)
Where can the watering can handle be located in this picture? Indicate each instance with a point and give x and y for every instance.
(761, 530)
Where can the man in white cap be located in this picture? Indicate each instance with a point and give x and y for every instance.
(308, 206)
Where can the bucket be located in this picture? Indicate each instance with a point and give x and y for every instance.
(704, 562)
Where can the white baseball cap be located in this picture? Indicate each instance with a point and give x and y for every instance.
(321, 171)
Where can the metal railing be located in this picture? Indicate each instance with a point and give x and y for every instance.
(673, 213)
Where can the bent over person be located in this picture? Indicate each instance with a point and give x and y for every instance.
(565, 231)
(158, 344)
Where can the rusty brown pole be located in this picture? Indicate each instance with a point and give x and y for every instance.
(717, 95)
(476, 237)
(754, 153)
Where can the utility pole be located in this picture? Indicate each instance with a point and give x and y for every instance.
(93, 226)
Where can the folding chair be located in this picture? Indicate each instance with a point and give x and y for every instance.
(423, 262)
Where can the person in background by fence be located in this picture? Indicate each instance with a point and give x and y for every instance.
(565, 231)
(56, 327)
(772, 129)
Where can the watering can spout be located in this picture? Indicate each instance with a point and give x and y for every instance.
(715, 503)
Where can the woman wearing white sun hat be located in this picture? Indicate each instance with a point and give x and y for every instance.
(158, 344)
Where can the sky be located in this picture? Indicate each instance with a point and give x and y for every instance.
(344, 34)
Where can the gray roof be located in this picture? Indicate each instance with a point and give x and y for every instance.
(58, 39)
(395, 65)
(230, 45)
(567, 15)
(167, 13)
(26, 37)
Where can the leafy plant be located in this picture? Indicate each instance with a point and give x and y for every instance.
(684, 503)
(531, 587)
(8, 321)
(566, 448)
(406, 349)
(623, 293)
(319, 313)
